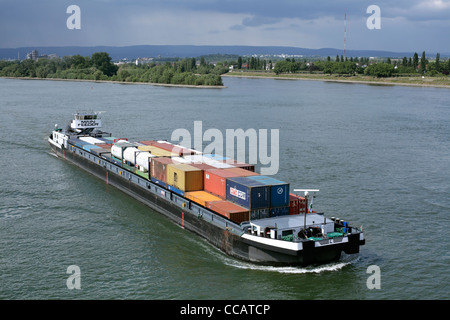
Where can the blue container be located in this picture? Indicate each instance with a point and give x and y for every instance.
(176, 190)
(248, 193)
(158, 182)
(279, 190)
(77, 142)
(279, 211)
(88, 147)
(259, 214)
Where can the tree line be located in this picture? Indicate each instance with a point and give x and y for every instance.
(100, 67)
(354, 66)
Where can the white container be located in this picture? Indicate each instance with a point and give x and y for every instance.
(116, 151)
(129, 154)
(142, 159)
(91, 140)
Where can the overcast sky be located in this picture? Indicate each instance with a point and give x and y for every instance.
(406, 25)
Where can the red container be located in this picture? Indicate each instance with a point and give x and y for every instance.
(215, 181)
(158, 168)
(296, 204)
(147, 142)
(241, 172)
(103, 145)
(242, 165)
(229, 210)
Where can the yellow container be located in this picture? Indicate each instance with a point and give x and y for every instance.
(157, 151)
(201, 197)
(184, 177)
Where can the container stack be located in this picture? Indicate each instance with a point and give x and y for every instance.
(182, 178)
(228, 187)
(264, 196)
(296, 204)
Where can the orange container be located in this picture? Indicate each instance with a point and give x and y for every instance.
(201, 197)
(229, 210)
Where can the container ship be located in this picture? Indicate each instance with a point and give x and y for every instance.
(247, 215)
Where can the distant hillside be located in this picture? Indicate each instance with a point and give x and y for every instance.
(183, 51)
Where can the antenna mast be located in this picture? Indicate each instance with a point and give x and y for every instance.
(345, 33)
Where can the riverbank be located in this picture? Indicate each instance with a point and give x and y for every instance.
(122, 82)
(438, 82)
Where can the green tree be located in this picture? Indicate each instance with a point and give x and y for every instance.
(405, 62)
(380, 70)
(423, 63)
(438, 63)
(102, 61)
(239, 63)
(415, 62)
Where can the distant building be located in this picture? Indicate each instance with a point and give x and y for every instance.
(34, 55)
(143, 60)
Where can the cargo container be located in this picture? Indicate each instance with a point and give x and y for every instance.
(215, 180)
(178, 150)
(88, 147)
(242, 165)
(159, 168)
(261, 213)
(157, 151)
(110, 138)
(77, 142)
(201, 197)
(143, 160)
(219, 164)
(278, 211)
(229, 210)
(201, 166)
(118, 148)
(248, 193)
(103, 145)
(176, 190)
(129, 155)
(159, 182)
(242, 172)
(296, 204)
(184, 177)
(100, 151)
(91, 140)
(110, 157)
(279, 190)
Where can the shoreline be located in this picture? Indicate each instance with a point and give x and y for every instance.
(389, 81)
(369, 81)
(122, 82)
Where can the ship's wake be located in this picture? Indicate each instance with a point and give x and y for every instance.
(329, 267)
(334, 266)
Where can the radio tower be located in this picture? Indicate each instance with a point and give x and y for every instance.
(345, 33)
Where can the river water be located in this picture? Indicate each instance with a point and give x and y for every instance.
(380, 156)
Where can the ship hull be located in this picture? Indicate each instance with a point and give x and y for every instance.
(227, 236)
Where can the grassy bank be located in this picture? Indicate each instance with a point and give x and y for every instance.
(441, 82)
